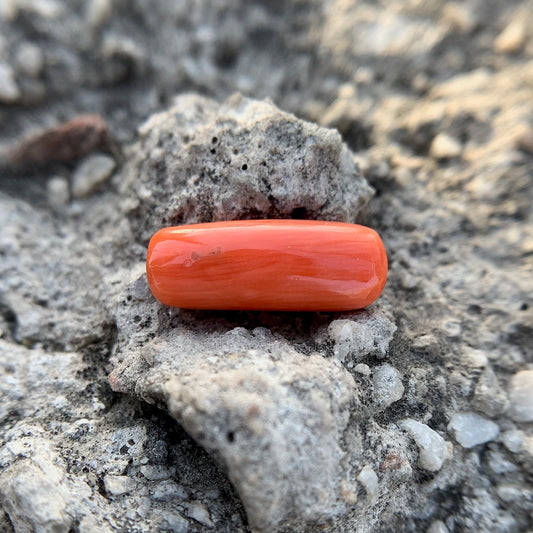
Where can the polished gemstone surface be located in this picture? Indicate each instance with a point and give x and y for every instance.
(276, 265)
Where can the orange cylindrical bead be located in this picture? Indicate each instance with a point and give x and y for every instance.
(274, 265)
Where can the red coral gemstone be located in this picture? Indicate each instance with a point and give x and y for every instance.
(275, 265)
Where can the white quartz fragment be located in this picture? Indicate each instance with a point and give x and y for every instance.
(368, 478)
(91, 173)
(388, 386)
(118, 485)
(368, 334)
(521, 396)
(433, 449)
(470, 429)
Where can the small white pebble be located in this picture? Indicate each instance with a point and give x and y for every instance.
(198, 511)
(60, 402)
(155, 473)
(118, 485)
(433, 449)
(452, 328)
(425, 340)
(57, 191)
(509, 493)
(349, 492)
(445, 146)
(512, 38)
(368, 478)
(361, 368)
(470, 429)
(90, 174)
(98, 11)
(29, 59)
(9, 91)
(437, 527)
(521, 396)
(369, 334)
(388, 387)
(176, 522)
(475, 358)
(513, 440)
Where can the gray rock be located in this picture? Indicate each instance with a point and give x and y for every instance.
(33, 382)
(513, 440)
(54, 292)
(37, 492)
(471, 429)
(489, 397)
(35, 497)
(198, 511)
(243, 159)
(388, 387)
(283, 411)
(176, 522)
(168, 491)
(244, 393)
(521, 396)
(369, 334)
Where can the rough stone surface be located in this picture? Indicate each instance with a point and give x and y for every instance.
(284, 411)
(244, 159)
(455, 320)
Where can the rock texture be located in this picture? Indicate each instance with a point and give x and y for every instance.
(413, 415)
(244, 159)
(273, 416)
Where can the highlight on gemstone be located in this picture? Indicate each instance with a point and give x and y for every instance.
(269, 265)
